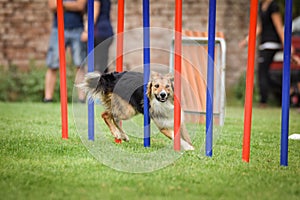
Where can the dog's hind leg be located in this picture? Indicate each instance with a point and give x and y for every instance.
(121, 110)
(108, 119)
(123, 135)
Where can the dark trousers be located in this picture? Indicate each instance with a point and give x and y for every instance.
(264, 61)
(101, 53)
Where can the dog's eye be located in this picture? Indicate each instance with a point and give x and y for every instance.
(156, 85)
(167, 86)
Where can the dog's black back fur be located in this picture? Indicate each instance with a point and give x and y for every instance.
(127, 85)
(107, 82)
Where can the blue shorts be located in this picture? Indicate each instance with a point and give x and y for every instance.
(72, 40)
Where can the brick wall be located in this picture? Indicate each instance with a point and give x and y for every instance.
(26, 24)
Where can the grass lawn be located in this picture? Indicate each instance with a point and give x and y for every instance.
(36, 163)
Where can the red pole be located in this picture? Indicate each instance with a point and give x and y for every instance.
(177, 75)
(120, 34)
(120, 40)
(249, 80)
(62, 70)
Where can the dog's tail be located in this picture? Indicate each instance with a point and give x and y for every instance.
(90, 84)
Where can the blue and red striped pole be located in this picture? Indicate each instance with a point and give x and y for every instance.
(210, 77)
(286, 83)
(91, 66)
(146, 35)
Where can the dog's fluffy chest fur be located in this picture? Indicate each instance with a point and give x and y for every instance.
(162, 113)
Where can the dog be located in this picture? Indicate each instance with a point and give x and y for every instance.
(122, 95)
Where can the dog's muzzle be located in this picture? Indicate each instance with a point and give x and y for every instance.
(162, 96)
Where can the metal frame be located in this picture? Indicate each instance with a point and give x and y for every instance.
(220, 64)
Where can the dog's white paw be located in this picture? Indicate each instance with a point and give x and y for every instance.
(190, 148)
(117, 135)
(186, 146)
(125, 137)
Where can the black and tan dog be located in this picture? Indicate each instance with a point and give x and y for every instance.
(122, 97)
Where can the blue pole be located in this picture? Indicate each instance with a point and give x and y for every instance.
(210, 77)
(146, 31)
(286, 83)
(90, 65)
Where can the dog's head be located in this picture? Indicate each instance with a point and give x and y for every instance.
(160, 87)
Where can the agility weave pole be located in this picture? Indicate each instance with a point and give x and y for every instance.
(91, 120)
(62, 69)
(146, 40)
(249, 80)
(177, 73)
(120, 36)
(210, 77)
(119, 60)
(120, 42)
(286, 83)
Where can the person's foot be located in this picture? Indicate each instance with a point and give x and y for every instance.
(47, 100)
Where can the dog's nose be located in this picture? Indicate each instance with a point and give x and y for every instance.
(163, 95)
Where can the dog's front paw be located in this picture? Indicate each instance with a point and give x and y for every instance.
(125, 137)
(186, 146)
(190, 148)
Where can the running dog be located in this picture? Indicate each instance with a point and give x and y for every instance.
(121, 93)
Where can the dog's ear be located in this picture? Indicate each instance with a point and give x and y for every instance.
(170, 76)
(154, 75)
(149, 89)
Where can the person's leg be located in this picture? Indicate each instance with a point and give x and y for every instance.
(50, 81)
(52, 62)
(78, 49)
(79, 79)
(264, 61)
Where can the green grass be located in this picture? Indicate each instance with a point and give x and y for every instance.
(35, 163)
